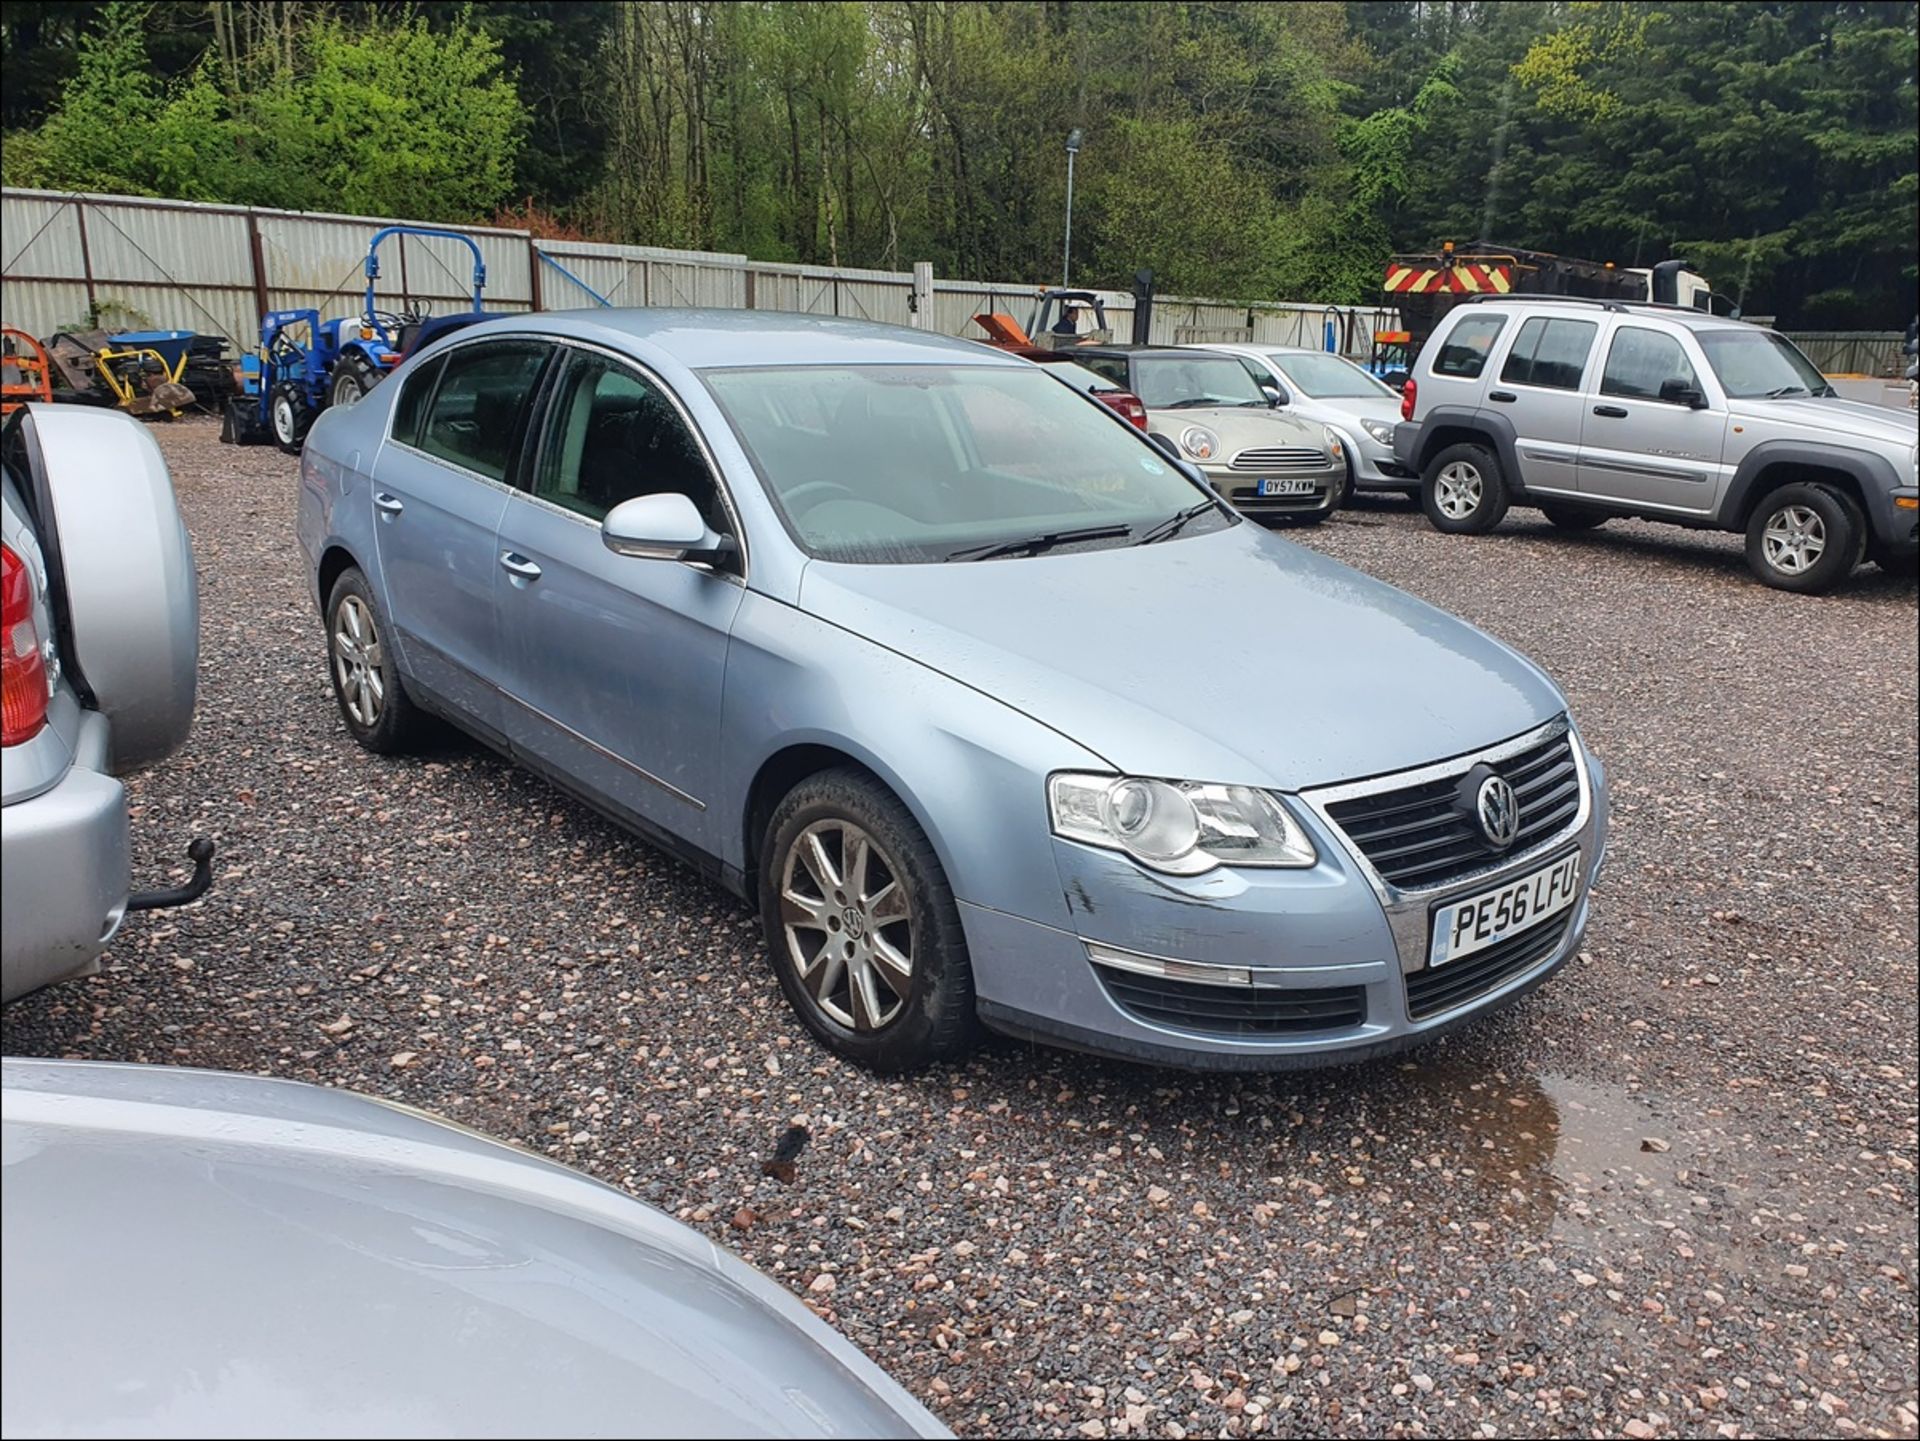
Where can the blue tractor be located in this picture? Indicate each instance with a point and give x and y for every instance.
(306, 364)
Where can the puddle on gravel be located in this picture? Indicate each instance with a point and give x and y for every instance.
(1564, 1157)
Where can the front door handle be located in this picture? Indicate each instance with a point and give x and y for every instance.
(1612, 412)
(518, 566)
(1505, 397)
(390, 504)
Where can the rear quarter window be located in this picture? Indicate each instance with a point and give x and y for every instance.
(415, 390)
(1464, 351)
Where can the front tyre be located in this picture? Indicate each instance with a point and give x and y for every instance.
(288, 417)
(862, 926)
(1804, 538)
(367, 686)
(1463, 492)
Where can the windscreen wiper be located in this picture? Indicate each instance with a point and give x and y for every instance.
(1174, 524)
(1034, 544)
(1784, 391)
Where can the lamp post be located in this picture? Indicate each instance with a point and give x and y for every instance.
(1066, 254)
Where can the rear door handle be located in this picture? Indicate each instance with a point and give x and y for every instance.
(518, 566)
(388, 503)
(1612, 412)
(1505, 397)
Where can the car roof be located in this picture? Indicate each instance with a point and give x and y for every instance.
(1580, 305)
(703, 339)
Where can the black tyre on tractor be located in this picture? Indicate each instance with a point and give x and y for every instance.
(353, 376)
(288, 417)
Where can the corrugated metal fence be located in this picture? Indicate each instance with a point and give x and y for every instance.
(175, 265)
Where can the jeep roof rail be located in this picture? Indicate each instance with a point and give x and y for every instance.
(1536, 299)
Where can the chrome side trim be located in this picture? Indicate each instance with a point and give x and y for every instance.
(1409, 911)
(593, 745)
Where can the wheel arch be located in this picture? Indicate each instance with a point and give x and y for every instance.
(1462, 425)
(335, 561)
(1768, 468)
(793, 763)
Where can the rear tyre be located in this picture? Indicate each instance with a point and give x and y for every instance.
(1462, 490)
(367, 686)
(1573, 517)
(1804, 538)
(862, 927)
(352, 378)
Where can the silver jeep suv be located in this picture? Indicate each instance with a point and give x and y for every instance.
(1595, 409)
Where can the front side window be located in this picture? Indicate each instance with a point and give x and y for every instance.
(474, 419)
(613, 435)
(897, 464)
(1191, 382)
(1645, 365)
(1463, 354)
(1550, 352)
(1760, 364)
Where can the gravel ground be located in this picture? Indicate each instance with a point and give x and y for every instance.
(1672, 1193)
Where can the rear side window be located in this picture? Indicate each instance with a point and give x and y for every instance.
(411, 408)
(1464, 352)
(477, 410)
(1115, 371)
(1640, 362)
(1551, 353)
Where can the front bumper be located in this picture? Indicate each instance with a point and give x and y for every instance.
(1896, 523)
(1377, 469)
(1275, 969)
(64, 873)
(1240, 487)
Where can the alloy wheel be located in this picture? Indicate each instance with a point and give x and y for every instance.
(1457, 490)
(848, 924)
(1794, 539)
(357, 657)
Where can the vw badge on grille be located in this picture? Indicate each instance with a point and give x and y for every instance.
(1499, 811)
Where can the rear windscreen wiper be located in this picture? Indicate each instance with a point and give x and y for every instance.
(1034, 544)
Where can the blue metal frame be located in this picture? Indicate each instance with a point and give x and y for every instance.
(371, 314)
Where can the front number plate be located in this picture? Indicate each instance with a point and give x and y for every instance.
(1473, 923)
(1287, 487)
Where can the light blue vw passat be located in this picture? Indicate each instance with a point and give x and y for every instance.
(995, 711)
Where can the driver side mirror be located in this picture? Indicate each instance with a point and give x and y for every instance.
(666, 526)
(1276, 397)
(1678, 392)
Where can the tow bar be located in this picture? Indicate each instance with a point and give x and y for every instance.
(200, 852)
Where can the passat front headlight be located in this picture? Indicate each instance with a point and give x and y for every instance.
(1199, 442)
(1334, 447)
(1180, 827)
(1379, 430)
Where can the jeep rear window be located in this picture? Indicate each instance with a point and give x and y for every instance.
(1464, 352)
(1551, 353)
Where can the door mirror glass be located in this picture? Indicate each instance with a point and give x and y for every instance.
(1276, 397)
(1682, 392)
(663, 526)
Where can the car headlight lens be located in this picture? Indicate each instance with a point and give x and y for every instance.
(1199, 442)
(1379, 430)
(1180, 827)
(1334, 447)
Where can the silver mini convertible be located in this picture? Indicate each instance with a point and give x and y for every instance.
(993, 708)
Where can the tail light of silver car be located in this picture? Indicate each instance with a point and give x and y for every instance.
(1407, 394)
(23, 665)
